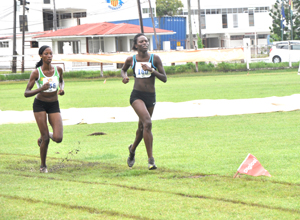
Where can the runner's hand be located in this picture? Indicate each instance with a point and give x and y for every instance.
(61, 92)
(45, 86)
(146, 67)
(125, 80)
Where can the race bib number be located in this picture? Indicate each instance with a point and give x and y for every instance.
(139, 72)
(53, 83)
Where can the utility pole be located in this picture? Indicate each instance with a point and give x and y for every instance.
(282, 29)
(190, 25)
(199, 19)
(14, 59)
(23, 36)
(140, 16)
(291, 15)
(24, 2)
(54, 17)
(153, 24)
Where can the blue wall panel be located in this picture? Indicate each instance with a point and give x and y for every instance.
(176, 24)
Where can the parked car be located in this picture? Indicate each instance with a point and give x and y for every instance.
(280, 52)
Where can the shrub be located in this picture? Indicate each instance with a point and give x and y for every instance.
(185, 68)
(224, 67)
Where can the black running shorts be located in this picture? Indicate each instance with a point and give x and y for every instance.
(149, 98)
(49, 107)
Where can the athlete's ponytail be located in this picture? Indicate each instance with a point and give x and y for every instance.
(38, 64)
(41, 50)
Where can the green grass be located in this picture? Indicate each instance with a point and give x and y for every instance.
(179, 88)
(197, 157)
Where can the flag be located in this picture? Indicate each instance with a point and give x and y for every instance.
(283, 23)
(251, 166)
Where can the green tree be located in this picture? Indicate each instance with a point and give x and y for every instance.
(296, 17)
(168, 7)
(199, 42)
(275, 29)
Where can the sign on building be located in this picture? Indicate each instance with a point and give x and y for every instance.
(114, 4)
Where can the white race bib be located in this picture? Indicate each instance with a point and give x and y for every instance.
(139, 72)
(53, 82)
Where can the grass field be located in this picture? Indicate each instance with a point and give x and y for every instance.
(196, 157)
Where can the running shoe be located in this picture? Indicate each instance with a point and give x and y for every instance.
(131, 159)
(43, 170)
(151, 164)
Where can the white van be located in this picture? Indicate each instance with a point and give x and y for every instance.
(280, 51)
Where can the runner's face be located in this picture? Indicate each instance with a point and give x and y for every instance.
(142, 43)
(47, 55)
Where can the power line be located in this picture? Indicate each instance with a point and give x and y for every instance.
(92, 13)
(9, 8)
(9, 13)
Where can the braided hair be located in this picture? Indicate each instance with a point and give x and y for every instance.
(135, 40)
(41, 50)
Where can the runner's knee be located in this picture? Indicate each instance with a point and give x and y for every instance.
(147, 125)
(57, 139)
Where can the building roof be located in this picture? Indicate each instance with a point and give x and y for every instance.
(27, 34)
(102, 29)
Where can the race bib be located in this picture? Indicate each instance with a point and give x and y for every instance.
(53, 82)
(139, 72)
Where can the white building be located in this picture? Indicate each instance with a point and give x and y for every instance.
(224, 23)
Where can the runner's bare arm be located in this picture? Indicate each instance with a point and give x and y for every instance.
(33, 77)
(124, 69)
(61, 81)
(160, 72)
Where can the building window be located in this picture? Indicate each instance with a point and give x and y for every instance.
(236, 37)
(147, 11)
(96, 45)
(262, 36)
(229, 10)
(235, 21)
(79, 15)
(34, 44)
(207, 11)
(4, 44)
(251, 18)
(203, 22)
(224, 20)
(65, 15)
(73, 47)
(46, 1)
